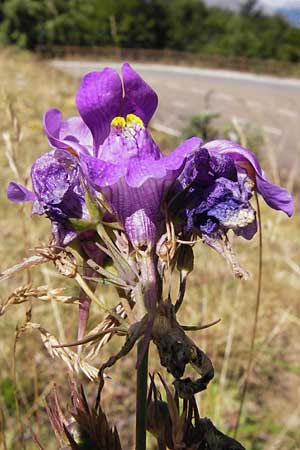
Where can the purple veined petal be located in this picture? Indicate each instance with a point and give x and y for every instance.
(99, 100)
(50, 180)
(123, 144)
(138, 95)
(275, 196)
(177, 157)
(142, 169)
(101, 173)
(52, 122)
(138, 208)
(237, 152)
(18, 193)
(63, 134)
(141, 229)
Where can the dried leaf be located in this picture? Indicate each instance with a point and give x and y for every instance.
(222, 246)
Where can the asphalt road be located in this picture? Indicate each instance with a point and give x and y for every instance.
(270, 103)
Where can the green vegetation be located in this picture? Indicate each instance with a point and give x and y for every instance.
(187, 25)
(246, 134)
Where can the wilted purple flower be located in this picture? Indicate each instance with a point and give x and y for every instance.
(275, 196)
(57, 192)
(217, 184)
(117, 153)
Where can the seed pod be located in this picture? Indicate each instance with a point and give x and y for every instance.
(185, 259)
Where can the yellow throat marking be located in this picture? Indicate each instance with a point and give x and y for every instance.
(130, 121)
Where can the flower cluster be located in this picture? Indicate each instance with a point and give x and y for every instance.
(110, 192)
(105, 167)
(109, 148)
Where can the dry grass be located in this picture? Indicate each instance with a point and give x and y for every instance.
(271, 415)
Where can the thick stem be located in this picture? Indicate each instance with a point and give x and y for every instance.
(150, 281)
(141, 399)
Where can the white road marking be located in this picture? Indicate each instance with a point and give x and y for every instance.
(288, 113)
(272, 130)
(165, 129)
(178, 104)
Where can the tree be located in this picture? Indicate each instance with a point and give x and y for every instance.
(249, 8)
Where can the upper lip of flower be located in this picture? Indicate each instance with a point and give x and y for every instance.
(99, 99)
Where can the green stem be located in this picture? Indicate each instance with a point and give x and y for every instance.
(141, 399)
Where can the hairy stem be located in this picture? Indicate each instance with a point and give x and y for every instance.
(141, 398)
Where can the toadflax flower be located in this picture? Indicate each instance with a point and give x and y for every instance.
(216, 186)
(117, 154)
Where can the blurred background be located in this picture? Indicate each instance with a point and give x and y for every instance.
(222, 69)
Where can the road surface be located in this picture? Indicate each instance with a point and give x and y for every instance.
(270, 103)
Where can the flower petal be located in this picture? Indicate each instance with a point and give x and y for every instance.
(124, 143)
(177, 157)
(64, 134)
(142, 169)
(99, 100)
(62, 233)
(141, 98)
(101, 173)
(50, 180)
(247, 232)
(275, 196)
(18, 193)
(138, 208)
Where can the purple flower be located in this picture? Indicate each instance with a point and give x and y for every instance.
(275, 196)
(216, 186)
(57, 192)
(133, 175)
(121, 160)
(100, 99)
(71, 134)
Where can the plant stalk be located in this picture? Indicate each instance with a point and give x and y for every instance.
(141, 398)
(254, 329)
